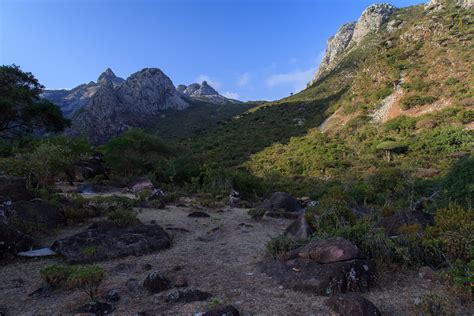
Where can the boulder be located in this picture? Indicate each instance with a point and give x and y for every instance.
(13, 240)
(187, 296)
(428, 274)
(156, 282)
(14, 188)
(282, 201)
(96, 308)
(351, 304)
(112, 295)
(41, 214)
(143, 185)
(228, 310)
(306, 275)
(327, 251)
(104, 240)
(198, 214)
(393, 223)
(300, 229)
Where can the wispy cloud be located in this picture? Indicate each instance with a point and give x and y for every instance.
(243, 80)
(214, 83)
(231, 95)
(297, 79)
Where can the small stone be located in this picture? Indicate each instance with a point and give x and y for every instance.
(180, 281)
(112, 295)
(187, 296)
(156, 282)
(133, 285)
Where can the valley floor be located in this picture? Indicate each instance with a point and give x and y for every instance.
(219, 255)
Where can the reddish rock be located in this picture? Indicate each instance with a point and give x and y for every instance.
(327, 251)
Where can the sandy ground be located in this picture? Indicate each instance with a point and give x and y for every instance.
(218, 255)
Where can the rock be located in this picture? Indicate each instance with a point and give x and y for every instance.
(157, 195)
(306, 275)
(14, 189)
(228, 310)
(351, 304)
(393, 223)
(96, 308)
(187, 296)
(282, 201)
(112, 295)
(203, 92)
(282, 214)
(327, 251)
(428, 274)
(143, 185)
(41, 214)
(146, 267)
(13, 240)
(300, 229)
(371, 20)
(103, 241)
(436, 5)
(87, 169)
(133, 286)
(180, 281)
(44, 291)
(198, 214)
(123, 268)
(156, 282)
(42, 252)
(234, 198)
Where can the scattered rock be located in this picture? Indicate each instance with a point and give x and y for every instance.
(143, 185)
(300, 229)
(282, 201)
(133, 286)
(96, 308)
(327, 251)
(104, 240)
(156, 282)
(306, 275)
(14, 188)
(393, 223)
(112, 295)
(351, 304)
(428, 273)
(198, 214)
(180, 281)
(228, 310)
(187, 296)
(40, 213)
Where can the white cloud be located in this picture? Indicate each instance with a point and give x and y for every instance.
(231, 95)
(213, 83)
(297, 79)
(243, 80)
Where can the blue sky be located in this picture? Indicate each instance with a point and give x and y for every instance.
(251, 50)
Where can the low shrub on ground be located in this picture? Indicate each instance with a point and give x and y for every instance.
(123, 217)
(416, 100)
(277, 246)
(256, 213)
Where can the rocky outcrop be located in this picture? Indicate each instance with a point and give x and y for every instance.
(203, 92)
(103, 241)
(351, 304)
(327, 251)
(350, 35)
(133, 103)
(436, 5)
(109, 76)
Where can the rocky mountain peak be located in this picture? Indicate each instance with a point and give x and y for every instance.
(109, 76)
(371, 19)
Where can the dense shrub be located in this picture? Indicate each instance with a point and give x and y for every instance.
(277, 246)
(123, 217)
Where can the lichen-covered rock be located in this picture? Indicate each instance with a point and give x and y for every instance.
(104, 240)
(351, 304)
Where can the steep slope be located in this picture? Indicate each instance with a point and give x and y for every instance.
(397, 96)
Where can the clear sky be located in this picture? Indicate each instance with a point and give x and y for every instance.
(251, 50)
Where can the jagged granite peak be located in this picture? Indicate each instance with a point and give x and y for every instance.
(336, 46)
(109, 76)
(371, 20)
(196, 89)
(351, 34)
(203, 92)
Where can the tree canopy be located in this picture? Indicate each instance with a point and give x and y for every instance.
(22, 111)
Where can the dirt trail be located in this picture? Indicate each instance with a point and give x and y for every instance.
(217, 255)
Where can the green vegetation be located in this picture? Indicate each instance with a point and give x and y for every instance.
(416, 100)
(256, 213)
(277, 246)
(123, 217)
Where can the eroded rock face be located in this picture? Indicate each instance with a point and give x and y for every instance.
(103, 241)
(351, 304)
(371, 20)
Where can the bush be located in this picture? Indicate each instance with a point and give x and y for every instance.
(123, 217)
(277, 246)
(416, 100)
(433, 305)
(256, 213)
(55, 275)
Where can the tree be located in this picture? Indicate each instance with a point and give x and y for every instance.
(21, 109)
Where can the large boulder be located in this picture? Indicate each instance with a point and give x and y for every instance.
(143, 185)
(282, 201)
(392, 224)
(351, 304)
(40, 214)
(306, 275)
(156, 282)
(104, 240)
(12, 240)
(327, 251)
(300, 229)
(14, 188)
